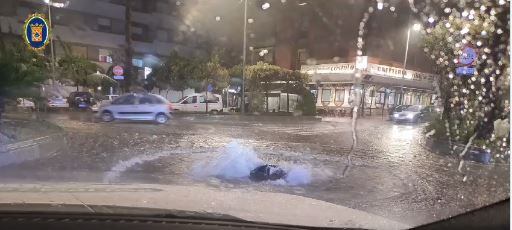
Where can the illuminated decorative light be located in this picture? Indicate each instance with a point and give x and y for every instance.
(465, 13)
(479, 43)
(483, 32)
(431, 19)
(465, 30)
(447, 25)
(502, 2)
(499, 31)
(380, 5)
(250, 20)
(265, 6)
(447, 10)
(392, 9)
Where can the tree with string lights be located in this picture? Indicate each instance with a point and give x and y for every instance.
(476, 106)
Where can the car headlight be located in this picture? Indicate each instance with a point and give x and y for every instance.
(410, 115)
(395, 115)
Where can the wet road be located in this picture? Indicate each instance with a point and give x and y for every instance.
(392, 175)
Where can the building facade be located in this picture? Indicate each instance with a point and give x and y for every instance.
(95, 29)
(383, 87)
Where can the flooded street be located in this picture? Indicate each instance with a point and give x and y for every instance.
(391, 175)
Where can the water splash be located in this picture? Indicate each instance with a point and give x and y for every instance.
(122, 166)
(236, 161)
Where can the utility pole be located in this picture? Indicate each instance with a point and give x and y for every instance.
(244, 54)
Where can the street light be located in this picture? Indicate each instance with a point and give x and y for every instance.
(50, 3)
(415, 27)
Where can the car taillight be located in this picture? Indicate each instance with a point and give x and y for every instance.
(170, 108)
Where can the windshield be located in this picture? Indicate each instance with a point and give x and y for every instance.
(181, 99)
(413, 108)
(393, 109)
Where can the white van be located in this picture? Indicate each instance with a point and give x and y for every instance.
(196, 103)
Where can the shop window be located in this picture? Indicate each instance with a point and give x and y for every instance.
(381, 98)
(339, 96)
(326, 96)
(391, 98)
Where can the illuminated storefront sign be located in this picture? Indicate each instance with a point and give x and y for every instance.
(372, 69)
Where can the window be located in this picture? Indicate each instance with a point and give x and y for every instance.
(201, 99)
(190, 100)
(302, 54)
(339, 96)
(381, 98)
(326, 95)
(80, 51)
(137, 30)
(146, 100)
(137, 62)
(126, 100)
(104, 25)
(105, 55)
(161, 35)
(391, 98)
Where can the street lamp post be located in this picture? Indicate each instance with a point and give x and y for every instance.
(244, 57)
(50, 3)
(51, 39)
(415, 27)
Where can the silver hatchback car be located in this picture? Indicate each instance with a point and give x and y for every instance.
(140, 107)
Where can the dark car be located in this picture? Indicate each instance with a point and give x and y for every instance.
(397, 109)
(415, 113)
(81, 100)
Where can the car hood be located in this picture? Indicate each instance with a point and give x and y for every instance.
(276, 208)
(408, 113)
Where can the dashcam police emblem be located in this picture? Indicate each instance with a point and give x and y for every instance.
(36, 31)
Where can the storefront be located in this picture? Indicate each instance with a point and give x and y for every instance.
(382, 87)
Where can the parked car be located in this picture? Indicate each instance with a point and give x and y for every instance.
(143, 107)
(107, 99)
(56, 102)
(197, 103)
(80, 100)
(415, 113)
(25, 104)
